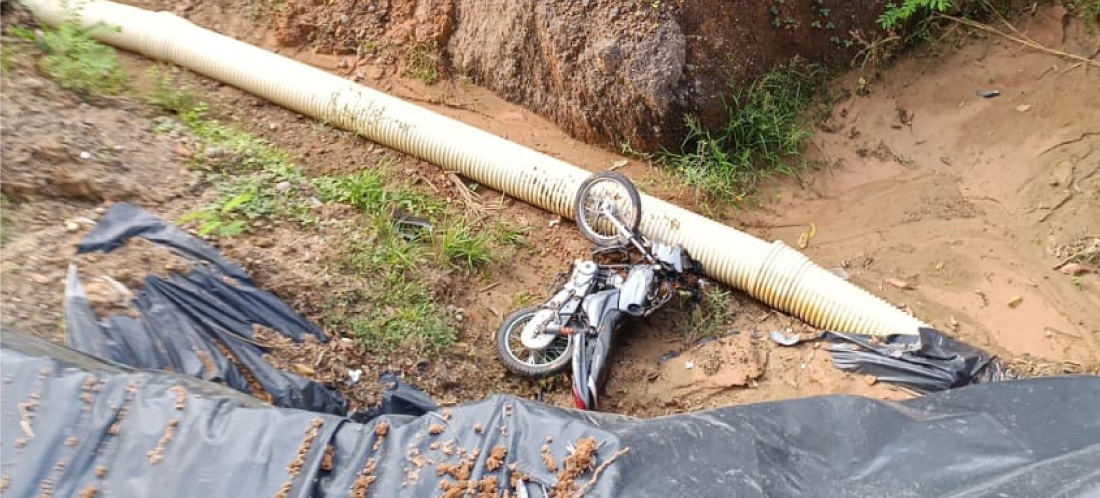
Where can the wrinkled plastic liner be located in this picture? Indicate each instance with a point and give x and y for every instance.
(76, 426)
(199, 323)
(928, 362)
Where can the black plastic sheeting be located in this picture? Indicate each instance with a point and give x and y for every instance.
(72, 423)
(928, 362)
(188, 321)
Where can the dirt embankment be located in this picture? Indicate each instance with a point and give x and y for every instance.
(605, 71)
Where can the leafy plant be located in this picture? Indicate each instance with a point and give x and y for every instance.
(897, 14)
(73, 58)
(168, 95)
(764, 134)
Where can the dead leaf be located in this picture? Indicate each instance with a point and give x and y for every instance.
(305, 370)
(1015, 301)
(804, 237)
(899, 283)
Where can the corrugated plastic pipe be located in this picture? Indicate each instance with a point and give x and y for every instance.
(771, 272)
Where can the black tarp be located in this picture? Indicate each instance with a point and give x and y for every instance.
(191, 323)
(927, 362)
(179, 436)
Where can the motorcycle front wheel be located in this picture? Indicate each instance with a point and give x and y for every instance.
(611, 186)
(520, 360)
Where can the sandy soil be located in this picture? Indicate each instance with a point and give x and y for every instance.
(972, 202)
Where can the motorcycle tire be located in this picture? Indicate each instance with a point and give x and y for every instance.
(633, 212)
(514, 324)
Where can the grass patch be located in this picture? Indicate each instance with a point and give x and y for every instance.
(73, 58)
(764, 135)
(398, 310)
(388, 267)
(709, 318)
(1089, 10)
(424, 62)
(462, 244)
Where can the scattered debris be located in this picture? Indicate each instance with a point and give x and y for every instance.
(787, 339)
(157, 454)
(436, 429)
(899, 283)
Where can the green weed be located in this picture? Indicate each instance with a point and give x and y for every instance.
(167, 94)
(763, 136)
(424, 62)
(252, 178)
(462, 244)
(73, 58)
(1089, 10)
(709, 318)
(369, 191)
(897, 15)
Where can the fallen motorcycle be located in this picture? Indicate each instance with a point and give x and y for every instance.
(627, 277)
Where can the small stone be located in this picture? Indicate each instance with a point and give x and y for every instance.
(1023, 107)
(619, 164)
(303, 369)
(870, 380)
(273, 126)
(181, 151)
(85, 155)
(282, 187)
(1075, 270)
(32, 83)
(215, 152)
(72, 226)
(899, 283)
(1015, 301)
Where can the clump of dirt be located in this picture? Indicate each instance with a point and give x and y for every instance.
(578, 463)
(364, 480)
(496, 458)
(325, 362)
(112, 278)
(157, 454)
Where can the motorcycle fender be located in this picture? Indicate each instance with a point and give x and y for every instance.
(634, 290)
(596, 305)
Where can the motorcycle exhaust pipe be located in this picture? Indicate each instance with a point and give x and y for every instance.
(771, 272)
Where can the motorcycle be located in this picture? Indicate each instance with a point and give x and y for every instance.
(627, 277)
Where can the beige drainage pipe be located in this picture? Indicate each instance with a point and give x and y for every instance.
(773, 273)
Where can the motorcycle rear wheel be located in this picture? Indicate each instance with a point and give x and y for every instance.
(526, 362)
(606, 184)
